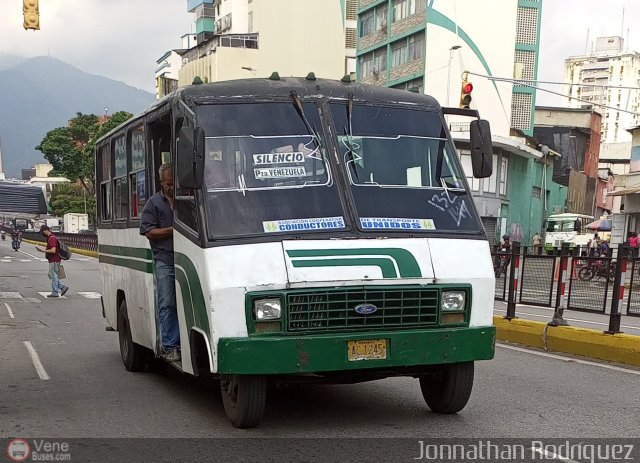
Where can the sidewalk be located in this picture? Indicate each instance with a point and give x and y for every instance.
(584, 336)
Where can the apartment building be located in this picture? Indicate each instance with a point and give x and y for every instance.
(252, 38)
(593, 79)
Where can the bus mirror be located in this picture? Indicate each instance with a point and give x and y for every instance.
(481, 148)
(190, 158)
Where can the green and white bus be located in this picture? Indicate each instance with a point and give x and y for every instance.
(324, 231)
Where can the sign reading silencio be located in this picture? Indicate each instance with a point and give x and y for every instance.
(278, 158)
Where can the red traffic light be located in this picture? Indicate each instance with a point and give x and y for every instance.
(467, 87)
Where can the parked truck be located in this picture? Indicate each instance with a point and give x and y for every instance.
(74, 222)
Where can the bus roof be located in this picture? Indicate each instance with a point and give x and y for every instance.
(569, 215)
(265, 89)
(268, 88)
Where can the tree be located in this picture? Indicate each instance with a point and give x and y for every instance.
(71, 197)
(71, 149)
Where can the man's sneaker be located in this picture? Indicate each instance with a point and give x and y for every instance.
(64, 291)
(53, 295)
(172, 355)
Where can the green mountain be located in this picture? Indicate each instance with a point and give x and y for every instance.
(40, 94)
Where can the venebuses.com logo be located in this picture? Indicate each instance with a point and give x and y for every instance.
(18, 450)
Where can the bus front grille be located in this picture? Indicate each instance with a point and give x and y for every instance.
(318, 311)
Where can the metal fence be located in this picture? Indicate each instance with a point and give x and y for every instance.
(588, 284)
(87, 242)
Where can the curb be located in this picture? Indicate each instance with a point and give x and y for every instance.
(83, 252)
(621, 348)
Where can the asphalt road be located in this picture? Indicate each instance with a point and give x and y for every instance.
(82, 390)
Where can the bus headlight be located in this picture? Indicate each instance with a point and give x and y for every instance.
(452, 300)
(266, 309)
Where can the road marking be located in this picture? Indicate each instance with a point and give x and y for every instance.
(36, 361)
(572, 319)
(45, 293)
(9, 310)
(568, 359)
(10, 295)
(5, 261)
(25, 260)
(90, 294)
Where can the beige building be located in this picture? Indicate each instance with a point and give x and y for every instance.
(594, 78)
(253, 38)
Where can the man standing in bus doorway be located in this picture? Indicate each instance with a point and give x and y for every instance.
(52, 252)
(156, 223)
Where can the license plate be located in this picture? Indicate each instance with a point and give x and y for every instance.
(373, 349)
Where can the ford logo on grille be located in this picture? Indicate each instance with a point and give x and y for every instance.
(365, 309)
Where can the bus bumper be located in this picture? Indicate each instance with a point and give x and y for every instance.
(329, 352)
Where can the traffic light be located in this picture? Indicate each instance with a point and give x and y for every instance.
(31, 14)
(465, 94)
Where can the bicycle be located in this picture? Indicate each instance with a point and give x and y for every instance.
(598, 269)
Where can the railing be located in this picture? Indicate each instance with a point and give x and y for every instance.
(571, 280)
(88, 242)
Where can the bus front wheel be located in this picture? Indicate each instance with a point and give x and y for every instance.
(447, 388)
(244, 398)
(134, 356)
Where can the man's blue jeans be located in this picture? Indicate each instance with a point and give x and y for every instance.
(54, 272)
(167, 310)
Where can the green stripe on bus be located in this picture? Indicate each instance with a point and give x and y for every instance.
(194, 297)
(142, 266)
(385, 265)
(140, 253)
(406, 262)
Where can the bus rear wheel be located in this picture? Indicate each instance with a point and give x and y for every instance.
(134, 356)
(244, 398)
(447, 388)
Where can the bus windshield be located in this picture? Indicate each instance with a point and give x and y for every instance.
(266, 171)
(404, 174)
(566, 225)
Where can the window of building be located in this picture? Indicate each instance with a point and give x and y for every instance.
(465, 159)
(381, 17)
(366, 65)
(489, 184)
(250, 21)
(416, 46)
(405, 8)
(504, 171)
(416, 85)
(537, 192)
(367, 23)
(399, 53)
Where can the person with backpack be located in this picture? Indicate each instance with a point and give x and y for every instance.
(52, 252)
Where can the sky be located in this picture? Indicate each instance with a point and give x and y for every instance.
(122, 39)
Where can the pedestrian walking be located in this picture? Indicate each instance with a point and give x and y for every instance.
(537, 243)
(52, 253)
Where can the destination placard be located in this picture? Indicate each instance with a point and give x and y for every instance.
(279, 172)
(321, 223)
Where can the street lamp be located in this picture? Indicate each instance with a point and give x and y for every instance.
(451, 50)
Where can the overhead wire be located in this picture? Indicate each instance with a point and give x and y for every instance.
(523, 83)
